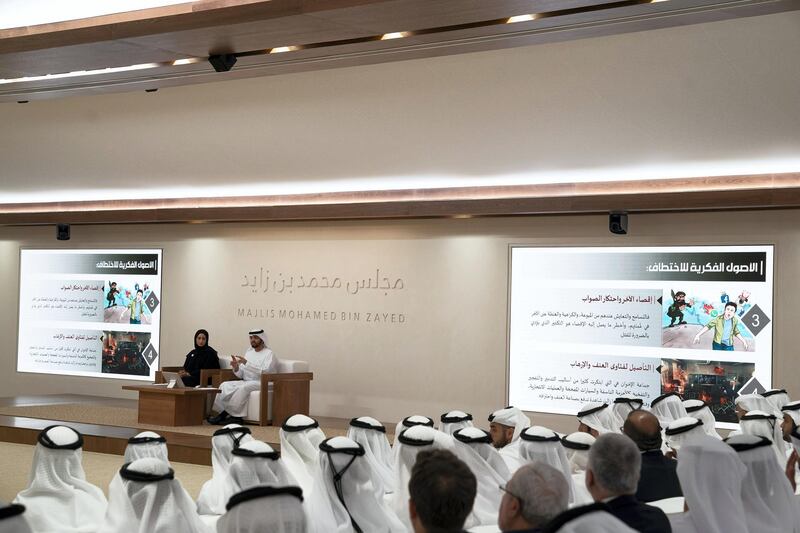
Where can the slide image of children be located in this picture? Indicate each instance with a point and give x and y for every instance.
(726, 328)
(128, 304)
(686, 322)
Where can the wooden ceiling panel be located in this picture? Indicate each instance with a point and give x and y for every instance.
(338, 33)
(82, 57)
(292, 30)
(409, 15)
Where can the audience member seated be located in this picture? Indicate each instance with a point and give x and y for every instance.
(12, 519)
(777, 398)
(658, 479)
(481, 441)
(146, 444)
(612, 476)
(791, 419)
(623, 407)
(682, 430)
(668, 408)
(215, 492)
(540, 444)
(701, 411)
(272, 509)
(407, 447)
(231, 402)
(202, 357)
(488, 497)
(452, 421)
(256, 463)
(348, 495)
(744, 403)
(596, 419)
(792, 471)
(576, 446)
(300, 439)
(762, 424)
(58, 498)
(442, 491)
(768, 499)
(711, 475)
(411, 421)
(371, 435)
(145, 497)
(505, 427)
(534, 495)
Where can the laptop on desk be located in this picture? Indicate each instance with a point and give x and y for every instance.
(169, 376)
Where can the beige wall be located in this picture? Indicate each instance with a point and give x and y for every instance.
(449, 353)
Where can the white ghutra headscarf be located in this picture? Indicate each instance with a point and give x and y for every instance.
(146, 444)
(300, 440)
(480, 441)
(599, 417)
(452, 421)
(544, 445)
(215, 492)
(711, 476)
(766, 425)
(769, 503)
(265, 508)
(371, 435)
(145, 497)
(701, 411)
(667, 408)
(58, 498)
(255, 463)
(682, 430)
(348, 496)
(411, 421)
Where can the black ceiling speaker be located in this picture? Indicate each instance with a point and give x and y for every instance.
(62, 232)
(222, 62)
(618, 223)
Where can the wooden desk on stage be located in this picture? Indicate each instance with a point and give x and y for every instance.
(161, 406)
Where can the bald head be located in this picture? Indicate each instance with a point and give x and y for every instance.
(644, 429)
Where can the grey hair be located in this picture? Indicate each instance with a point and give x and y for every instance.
(543, 491)
(616, 463)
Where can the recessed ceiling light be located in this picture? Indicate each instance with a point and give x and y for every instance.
(280, 49)
(187, 61)
(395, 35)
(520, 18)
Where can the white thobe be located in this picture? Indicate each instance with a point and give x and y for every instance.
(233, 395)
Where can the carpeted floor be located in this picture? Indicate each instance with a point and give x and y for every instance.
(127, 417)
(15, 465)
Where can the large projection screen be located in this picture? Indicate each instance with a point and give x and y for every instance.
(92, 313)
(589, 324)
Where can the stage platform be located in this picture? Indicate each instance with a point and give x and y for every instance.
(108, 423)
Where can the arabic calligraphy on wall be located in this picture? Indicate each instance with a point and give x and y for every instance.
(266, 281)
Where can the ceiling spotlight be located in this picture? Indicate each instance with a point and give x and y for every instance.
(280, 49)
(520, 18)
(222, 62)
(395, 35)
(187, 61)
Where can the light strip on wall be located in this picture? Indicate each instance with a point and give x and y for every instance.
(79, 73)
(260, 186)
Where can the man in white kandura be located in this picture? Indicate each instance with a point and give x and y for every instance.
(58, 498)
(231, 402)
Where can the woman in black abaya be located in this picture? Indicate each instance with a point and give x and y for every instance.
(203, 356)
